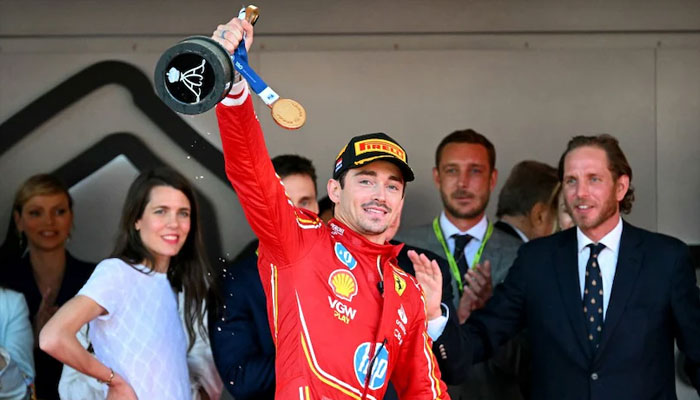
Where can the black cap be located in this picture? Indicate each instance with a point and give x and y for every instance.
(371, 147)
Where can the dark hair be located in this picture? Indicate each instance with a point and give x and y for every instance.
(325, 204)
(617, 162)
(189, 270)
(341, 178)
(292, 164)
(529, 183)
(467, 136)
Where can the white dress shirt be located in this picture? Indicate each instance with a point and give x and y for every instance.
(607, 260)
(477, 232)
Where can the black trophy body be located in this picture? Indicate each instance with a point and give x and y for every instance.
(194, 75)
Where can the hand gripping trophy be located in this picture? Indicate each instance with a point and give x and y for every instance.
(195, 74)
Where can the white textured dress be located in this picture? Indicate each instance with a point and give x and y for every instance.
(141, 337)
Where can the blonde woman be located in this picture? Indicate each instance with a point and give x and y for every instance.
(47, 274)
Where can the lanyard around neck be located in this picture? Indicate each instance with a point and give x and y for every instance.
(450, 258)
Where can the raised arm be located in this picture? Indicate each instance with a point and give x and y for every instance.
(271, 215)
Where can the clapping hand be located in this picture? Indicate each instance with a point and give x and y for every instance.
(477, 290)
(429, 277)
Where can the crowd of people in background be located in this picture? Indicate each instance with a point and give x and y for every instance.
(137, 311)
(47, 276)
(154, 320)
(39, 275)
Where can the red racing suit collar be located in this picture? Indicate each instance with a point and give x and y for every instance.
(357, 242)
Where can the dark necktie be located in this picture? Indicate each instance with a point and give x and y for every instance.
(458, 254)
(593, 297)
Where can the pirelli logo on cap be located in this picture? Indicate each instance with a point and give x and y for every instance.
(379, 145)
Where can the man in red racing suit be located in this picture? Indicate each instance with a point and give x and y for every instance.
(345, 319)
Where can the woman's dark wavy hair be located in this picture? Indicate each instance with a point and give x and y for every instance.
(189, 271)
(617, 162)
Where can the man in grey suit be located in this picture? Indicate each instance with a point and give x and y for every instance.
(465, 175)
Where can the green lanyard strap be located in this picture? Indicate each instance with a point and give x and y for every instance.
(450, 257)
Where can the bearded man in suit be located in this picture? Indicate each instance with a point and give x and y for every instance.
(465, 174)
(603, 302)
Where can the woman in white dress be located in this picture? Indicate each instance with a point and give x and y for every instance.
(130, 301)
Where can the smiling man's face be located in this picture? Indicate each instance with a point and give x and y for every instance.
(369, 199)
(591, 192)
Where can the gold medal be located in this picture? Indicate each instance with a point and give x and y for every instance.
(288, 113)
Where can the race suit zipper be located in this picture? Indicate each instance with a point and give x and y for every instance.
(371, 365)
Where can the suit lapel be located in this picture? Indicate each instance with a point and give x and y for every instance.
(566, 266)
(493, 252)
(629, 262)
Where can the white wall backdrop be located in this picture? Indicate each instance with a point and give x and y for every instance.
(527, 75)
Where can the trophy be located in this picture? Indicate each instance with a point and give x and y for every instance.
(195, 74)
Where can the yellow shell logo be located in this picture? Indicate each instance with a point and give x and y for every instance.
(343, 284)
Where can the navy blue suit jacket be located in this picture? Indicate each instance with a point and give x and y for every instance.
(16, 274)
(654, 300)
(241, 342)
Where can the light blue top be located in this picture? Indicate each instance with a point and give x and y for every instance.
(16, 345)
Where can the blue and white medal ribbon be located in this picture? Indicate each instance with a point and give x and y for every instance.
(287, 113)
(240, 63)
